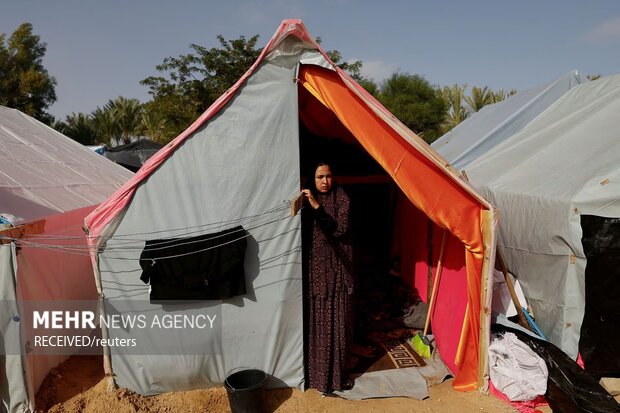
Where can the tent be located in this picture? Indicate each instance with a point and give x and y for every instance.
(48, 184)
(559, 168)
(132, 155)
(240, 164)
(495, 123)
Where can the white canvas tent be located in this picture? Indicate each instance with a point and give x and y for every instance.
(239, 163)
(495, 123)
(48, 184)
(558, 166)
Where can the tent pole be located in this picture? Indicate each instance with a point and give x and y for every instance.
(107, 360)
(486, 296)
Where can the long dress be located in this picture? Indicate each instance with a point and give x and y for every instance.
(331, 287)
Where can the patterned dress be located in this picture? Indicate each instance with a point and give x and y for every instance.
(330, 289)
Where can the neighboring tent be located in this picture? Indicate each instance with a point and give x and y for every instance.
(133, 155)
(239, 163)
(495, 123)
(48, 184)
(558, 168)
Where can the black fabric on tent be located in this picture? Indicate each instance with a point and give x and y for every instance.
(133, 155)
(600, 331)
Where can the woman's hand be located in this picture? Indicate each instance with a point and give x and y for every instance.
(310, 198)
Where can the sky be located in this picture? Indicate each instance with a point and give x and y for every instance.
(99, 50)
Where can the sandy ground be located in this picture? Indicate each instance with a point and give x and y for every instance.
(78, 385)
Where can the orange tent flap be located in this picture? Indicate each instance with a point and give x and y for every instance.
(424, 183)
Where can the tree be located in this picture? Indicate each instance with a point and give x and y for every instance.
(370, 86)
(154, 126)
(126, 114)
(79, 127)
(416, 103)
(105, 126)
(479, 98)
(191, 83)
(502, 94)
(455, 97)
(24, 83)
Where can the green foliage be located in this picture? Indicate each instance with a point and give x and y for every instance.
(454, 97)
(79, 127)
(191, 83)
(105, 127)
(24, 83)
(370, 86)
(352, 68)
(479, 98)
(126, 115)
(416, 103)
(154, 125)
(118, 122)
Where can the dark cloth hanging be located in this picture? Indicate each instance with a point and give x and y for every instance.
(205, 267)
(330, 289)
(600, 331)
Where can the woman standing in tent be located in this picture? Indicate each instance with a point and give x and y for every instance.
(330, 283)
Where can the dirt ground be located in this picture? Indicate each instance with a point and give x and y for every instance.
(78, 385)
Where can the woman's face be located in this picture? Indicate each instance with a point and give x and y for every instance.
(323, 179)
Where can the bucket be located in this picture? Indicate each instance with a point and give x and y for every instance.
(246, 390)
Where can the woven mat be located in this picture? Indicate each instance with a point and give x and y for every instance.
(391, 354)
(402, 354)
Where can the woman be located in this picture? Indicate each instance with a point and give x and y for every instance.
(330, 283)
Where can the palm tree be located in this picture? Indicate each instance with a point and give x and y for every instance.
(153, 126)
(79, 127)
(454, 96)
(105, 125)
(479, 98)
(127, 114)
(501, 94)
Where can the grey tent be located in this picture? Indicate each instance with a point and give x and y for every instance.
(556, 168)
(236, 168)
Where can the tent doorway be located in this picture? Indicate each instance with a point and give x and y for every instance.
(382, 297)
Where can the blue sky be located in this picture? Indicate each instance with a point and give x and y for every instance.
(98, 50)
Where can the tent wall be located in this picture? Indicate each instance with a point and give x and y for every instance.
(13, 388)
(244, 162)
(562, 165)
(50, 274)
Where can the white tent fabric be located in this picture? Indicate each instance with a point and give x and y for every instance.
(563, 164)
(42, 172)
(46, 177)
(495, 123)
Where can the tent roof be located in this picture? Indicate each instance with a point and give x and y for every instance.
(574, 145)
(495, 123)
(43, 172)
(294, 28)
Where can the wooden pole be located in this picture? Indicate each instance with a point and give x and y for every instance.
(436, 281)
(513, 294)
